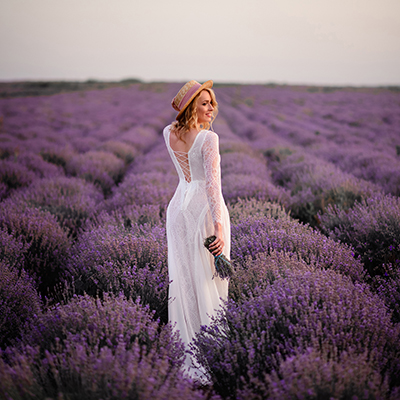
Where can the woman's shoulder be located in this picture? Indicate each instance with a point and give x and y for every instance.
(210, 140)
(210, 135)
(167, 130)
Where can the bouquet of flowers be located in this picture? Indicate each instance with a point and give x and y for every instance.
(223, 267)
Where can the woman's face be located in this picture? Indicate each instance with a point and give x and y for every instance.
(204, 107)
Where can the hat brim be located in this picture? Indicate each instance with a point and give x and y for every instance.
(205, 85)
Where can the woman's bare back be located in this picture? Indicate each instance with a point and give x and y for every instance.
(180, 145)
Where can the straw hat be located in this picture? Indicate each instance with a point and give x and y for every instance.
(187, 94)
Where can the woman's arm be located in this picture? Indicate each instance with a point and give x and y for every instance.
(211, 162)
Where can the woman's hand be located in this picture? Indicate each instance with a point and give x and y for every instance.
(217, 245)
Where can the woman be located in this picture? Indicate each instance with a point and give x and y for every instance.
(196, 211)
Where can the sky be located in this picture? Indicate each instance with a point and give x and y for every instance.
(320, 42)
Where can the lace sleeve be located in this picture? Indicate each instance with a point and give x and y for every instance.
(212, 170)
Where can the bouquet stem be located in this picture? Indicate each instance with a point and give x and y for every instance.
(223, 267)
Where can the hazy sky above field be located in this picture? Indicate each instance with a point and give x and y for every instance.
(332, 42)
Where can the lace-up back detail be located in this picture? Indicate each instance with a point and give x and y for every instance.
(183, 160)
(200, 164)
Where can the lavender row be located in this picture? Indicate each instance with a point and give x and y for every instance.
(358, 131)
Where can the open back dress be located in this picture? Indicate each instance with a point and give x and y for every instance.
(192, 212)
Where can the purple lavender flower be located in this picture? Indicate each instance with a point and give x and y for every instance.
(71, 200)
(14, 176)
(145, 188)
(319, 309)
(46, 244)
(19, 303)
(12, 249)
(102, 168)
(111, 349)
(315, 374)
(117, 258)
(371, 227)
(124, 151)
(255, 235)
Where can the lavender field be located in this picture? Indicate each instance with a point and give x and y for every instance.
(311, 176)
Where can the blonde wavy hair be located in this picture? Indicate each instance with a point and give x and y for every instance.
(188, 119)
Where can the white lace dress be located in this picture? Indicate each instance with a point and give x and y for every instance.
(196, 205)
